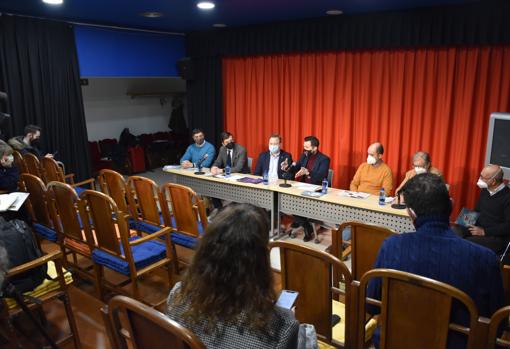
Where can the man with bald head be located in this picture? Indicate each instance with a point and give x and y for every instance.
(374, 174)
(492, 227)
(421, 164)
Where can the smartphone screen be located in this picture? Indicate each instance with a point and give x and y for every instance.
(287, 299)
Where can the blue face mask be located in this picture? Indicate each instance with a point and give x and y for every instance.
(273, 149)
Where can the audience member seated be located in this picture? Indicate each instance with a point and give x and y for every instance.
(374, 174)
(270, 161)
(29, 142)
(227, 296)
(312, 167)
(197, 151)
(230, 154)
(492, 228)
(436, 252)
(9, 174)
(421, 164)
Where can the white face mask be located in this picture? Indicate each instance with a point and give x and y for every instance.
(419, 170)
(371, 160)
(481, 184)
(273, 149)
(9, 159)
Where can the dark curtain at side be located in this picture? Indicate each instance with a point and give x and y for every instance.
(204, 96)
(477, 23)
(42, 78)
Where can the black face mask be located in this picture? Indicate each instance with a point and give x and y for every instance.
(307, 152)
(36, 143)
(230, 145)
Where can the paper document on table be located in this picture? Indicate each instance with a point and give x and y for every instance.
(171, 167)
(389, 199)
(307, 187)
(12, 201)
(353, 194)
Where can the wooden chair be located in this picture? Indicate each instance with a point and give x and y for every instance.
(115, 249)
(184, 210)
(47, 292)
(19, 162)
(415, 310)
(496, 320)
(143, 198)
(143, 327)
(37, 205)
(366, 240)
(113, 184)
(33, 166)
(309, 272)
(53, 172)
(75, 241)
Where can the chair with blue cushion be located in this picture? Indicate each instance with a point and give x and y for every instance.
(76, 242)
(143, 197)
(37, 206)
(112, 183)
(114, 249)
(53, 171)
(184, 211)
(33, 166)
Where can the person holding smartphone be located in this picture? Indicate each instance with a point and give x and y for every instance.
(227, 297)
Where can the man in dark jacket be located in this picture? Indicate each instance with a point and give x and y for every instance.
(29, 142)
(9, 174)
(270, 161)
(492, 228)
(312, 167)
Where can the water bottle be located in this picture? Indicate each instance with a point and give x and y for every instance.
(227, 171)
(382, 197)
(265, 178)
(325, 186)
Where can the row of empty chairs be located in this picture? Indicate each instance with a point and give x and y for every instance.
(132, 229)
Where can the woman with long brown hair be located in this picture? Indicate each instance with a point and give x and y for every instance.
(226, 297)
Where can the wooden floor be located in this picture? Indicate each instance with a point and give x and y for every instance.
(86, 308)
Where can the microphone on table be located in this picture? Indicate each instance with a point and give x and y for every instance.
(285, 184)
(398, 205)
(199, 164)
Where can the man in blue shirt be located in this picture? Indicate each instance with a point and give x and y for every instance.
(200, 150)
(436, 252)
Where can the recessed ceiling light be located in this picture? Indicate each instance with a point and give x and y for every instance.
(206, 5)
(219, 25)
(151, 14)
(53, 2)
(334, 12)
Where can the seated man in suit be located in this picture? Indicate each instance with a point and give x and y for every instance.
(312, 167)
(421, 164)
(200, 151)
(374, 174)
(230, 154)
(436, 252)
(270, 161)
(492, 228)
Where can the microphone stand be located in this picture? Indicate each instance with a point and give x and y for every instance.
(285, 184)
(199, 168)
(398, 205)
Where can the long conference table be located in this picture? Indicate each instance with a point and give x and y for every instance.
(331, 207)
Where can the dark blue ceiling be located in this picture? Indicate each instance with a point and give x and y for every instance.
(183, 15)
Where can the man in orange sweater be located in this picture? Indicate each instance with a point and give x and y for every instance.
(374, 174)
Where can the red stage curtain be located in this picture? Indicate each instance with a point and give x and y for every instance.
(433, 99)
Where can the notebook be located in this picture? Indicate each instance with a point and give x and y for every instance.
(467, 217)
